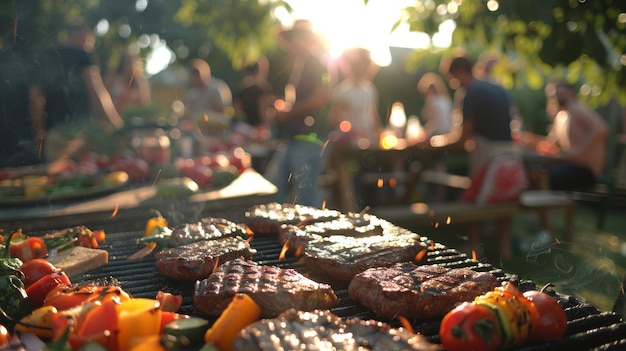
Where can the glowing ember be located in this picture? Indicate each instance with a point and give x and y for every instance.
(115, 210)
(299, 251)
(406, 324)
(474, 255)
(250, 234)
(156, 178)
(436, 225)
(420, 255)
(380, 183)
(432, 245)
(393, 182)
(448, 220)
(283, 251)
(217, 263)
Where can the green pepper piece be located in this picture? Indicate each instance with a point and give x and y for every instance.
(14, 300)
(11, 266)
(161, 238)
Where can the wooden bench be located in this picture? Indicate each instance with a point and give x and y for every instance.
(443, 213)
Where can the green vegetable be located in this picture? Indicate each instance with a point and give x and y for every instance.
(185, 332)
(161, 237)
(14, 303)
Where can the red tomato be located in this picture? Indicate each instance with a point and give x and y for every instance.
(5, 337)
(38, 291)
(35, 269)
(29, 249)
(470, 327)
(99, 235)
(66, 297)
(549, 321)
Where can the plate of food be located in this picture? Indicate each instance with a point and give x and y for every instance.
(28, 189)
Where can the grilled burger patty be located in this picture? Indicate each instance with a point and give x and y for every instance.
(322, 330)
(205, 229)
(266, 219)
(417, 291)
(274, 289)
(199, 259)
(341, 257)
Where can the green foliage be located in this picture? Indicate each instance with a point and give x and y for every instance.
(538, 39)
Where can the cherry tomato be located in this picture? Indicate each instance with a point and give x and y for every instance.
(549, 321)
(470, 327)
(35, 269)
(66, 297)
(38, 291)
(99, 235)
(5, 337)
(26, 250)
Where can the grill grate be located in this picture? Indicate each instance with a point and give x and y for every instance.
(588, 328)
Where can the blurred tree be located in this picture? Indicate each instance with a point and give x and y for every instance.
(583, 41)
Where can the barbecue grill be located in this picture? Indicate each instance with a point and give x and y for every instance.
(588, 328)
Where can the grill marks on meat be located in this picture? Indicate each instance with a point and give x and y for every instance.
(274, 289)
(266, 219)
(199, 259)
(341, 257)
(417, 291)
(207, 228)
(322, 330)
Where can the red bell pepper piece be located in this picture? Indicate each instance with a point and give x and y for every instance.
(37, 291)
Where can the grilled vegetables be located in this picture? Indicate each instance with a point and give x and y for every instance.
(502, 319)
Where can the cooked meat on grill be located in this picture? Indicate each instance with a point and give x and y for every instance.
(199, 259)
(266, 219)
(323, 330)
(413, 291)
(207, 228)
(341, 257)
(274, 289)
(352, 224)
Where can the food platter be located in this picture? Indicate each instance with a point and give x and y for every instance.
(65, 194)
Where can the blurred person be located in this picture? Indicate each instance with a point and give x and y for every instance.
(485, 133)
(354, 119)
(69, 103)
(437, 114)
(254, 98)
(128, 85)
(354, 100)
(209, 100)
(300, 117)
(576, 142)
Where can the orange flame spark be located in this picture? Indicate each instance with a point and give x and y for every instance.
(393, 182)
(324, 205)
(432, 245)
(250, 234)
(448, 220)
(217, 263)
(474, 257)
(380, 183)
(420, 255)
(299, 251)
(436, 225)
(115, 210)
(406, 324)
(156, 178)
(283, 251)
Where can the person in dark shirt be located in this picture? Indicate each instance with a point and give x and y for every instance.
(300, 117)
(485, 134)
(68, 95)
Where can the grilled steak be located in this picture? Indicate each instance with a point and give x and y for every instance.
(207, 228)
(274, 289)
(322, 330)
(266, 219)
(341, 257)
(352, 224)
(417, 291)
(199, 259)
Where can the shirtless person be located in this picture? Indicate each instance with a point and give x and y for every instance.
(576, 141)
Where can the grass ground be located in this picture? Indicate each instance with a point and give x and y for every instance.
(591, 268)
